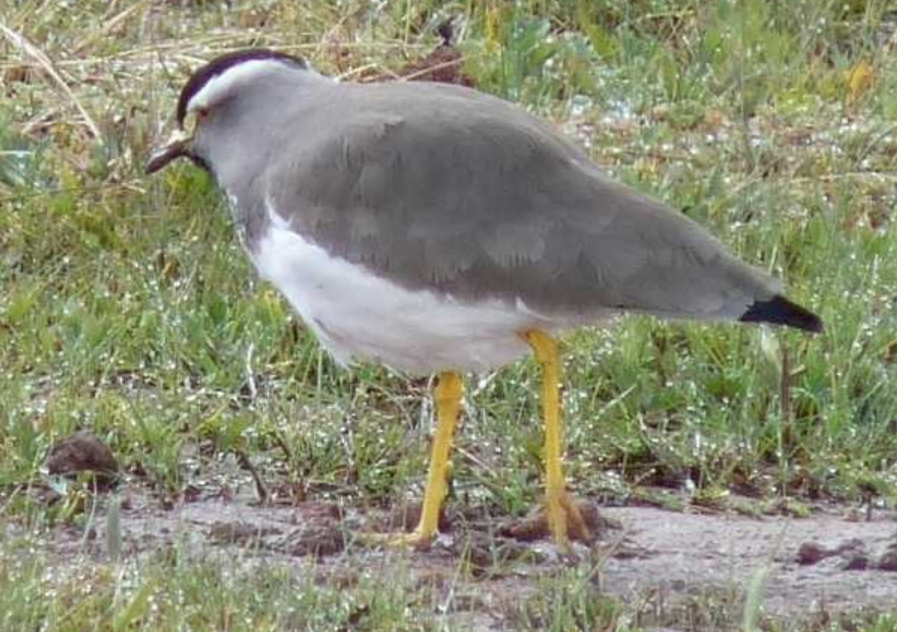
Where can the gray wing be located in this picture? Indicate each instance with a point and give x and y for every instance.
(442, 187)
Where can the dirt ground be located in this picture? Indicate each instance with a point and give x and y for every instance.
(829, 560)
(821, 560)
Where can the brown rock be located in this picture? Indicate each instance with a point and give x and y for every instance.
(812, 553)
(318, 540)
(535, 525)
(888, 561)
(442, 65)
(238, 532)
(83, 452)
(857, 561)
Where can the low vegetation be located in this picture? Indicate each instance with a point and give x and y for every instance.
(127, 307)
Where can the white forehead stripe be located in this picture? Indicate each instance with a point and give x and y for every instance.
(221, 86)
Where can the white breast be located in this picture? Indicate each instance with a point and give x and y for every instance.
(358, 315)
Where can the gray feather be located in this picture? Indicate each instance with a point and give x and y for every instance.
(441, 187)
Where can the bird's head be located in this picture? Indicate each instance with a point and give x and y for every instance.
(225, 101)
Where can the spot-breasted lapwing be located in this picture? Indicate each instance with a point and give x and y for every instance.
(440, 230)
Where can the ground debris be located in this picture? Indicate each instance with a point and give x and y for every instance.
(317, 539)
(888, 559)
(851, 555)
(486, 556)
(811, 553)
(310, 529)
(856, 561)
(535, 525)
(674, 554)
(83, 452)
(442, 65)
(238, 532)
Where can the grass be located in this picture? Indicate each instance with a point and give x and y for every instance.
(174, 590)
(171, 592)
(127, 307)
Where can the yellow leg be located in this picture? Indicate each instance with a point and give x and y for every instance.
(559, 506)
(447, 396)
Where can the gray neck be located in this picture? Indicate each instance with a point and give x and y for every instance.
(253, 132)
(256, 124)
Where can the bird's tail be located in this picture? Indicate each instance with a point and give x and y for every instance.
(780, 311)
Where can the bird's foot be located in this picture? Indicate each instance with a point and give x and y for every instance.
(565, 520)
(416, 539)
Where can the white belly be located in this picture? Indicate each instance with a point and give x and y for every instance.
(358, 315)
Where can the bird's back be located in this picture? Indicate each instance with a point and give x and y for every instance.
(445, 188)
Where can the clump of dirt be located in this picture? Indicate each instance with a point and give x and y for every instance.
(851, 555)
(535, 526)
(442, 65)
(238, 532)
(318, 540)
(317, 532)
(888, 560)
(83, 452)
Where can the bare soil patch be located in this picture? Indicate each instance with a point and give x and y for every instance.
(824, 562)
(685, 552)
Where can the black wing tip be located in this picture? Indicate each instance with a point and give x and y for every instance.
(780, 311)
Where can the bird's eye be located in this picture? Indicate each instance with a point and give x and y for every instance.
(202, 114)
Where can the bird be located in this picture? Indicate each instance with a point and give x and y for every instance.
(440, 231)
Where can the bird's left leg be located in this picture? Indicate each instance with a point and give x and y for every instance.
(564, 517)
(447, 397)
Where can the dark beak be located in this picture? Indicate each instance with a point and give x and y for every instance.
(176, 147)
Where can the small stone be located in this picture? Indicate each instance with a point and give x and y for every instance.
(535, 525)
(529, 529)
(80, 452)
(239, 532)
(678, 585)
(191, 493)
(856, 562)
(318, 540)
(888, 561)
(812, 553)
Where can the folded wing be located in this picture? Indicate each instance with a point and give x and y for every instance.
(442, 187)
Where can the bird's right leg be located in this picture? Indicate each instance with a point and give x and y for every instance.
(562, 512)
